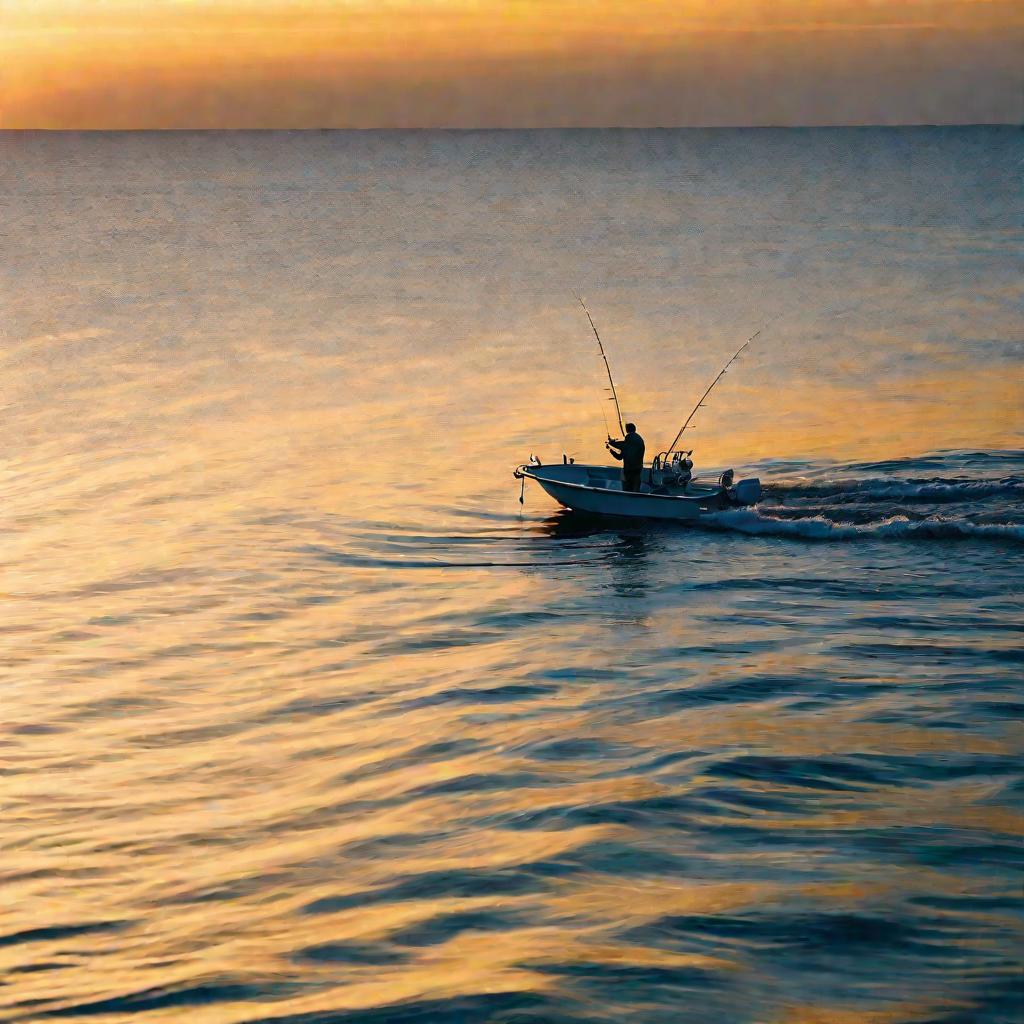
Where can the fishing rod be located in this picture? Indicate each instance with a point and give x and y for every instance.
(721, 374)
(615, 397)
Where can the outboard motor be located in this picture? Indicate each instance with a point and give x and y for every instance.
(746, 492)
(684, 471)
(725, 480)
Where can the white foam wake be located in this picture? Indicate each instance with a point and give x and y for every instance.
(937, 490)
(754, 521)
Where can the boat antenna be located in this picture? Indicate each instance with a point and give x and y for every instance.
(615, 397)
(721, 374)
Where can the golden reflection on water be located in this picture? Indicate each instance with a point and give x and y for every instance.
(286, 667)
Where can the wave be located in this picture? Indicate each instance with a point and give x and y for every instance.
(758, 522)
(932, 490)
(984, 460)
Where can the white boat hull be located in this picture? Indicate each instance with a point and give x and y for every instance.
(597, 490)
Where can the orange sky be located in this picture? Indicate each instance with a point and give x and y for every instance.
(507, 63)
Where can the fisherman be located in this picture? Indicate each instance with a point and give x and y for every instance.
(630, 452)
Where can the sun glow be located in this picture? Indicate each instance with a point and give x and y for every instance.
(267, 63)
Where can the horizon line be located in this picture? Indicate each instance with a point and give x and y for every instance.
(856, 125)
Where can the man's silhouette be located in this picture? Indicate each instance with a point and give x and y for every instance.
(630, 452)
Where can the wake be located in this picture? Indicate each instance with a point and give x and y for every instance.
(979, 496)
(760, 522)
(933, 490)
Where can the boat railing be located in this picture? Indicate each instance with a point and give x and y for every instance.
(663, 460)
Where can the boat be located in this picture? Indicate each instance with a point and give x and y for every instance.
(667, 490)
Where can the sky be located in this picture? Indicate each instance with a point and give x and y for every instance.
(112, 64)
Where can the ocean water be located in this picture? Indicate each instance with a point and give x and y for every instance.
(306, 720)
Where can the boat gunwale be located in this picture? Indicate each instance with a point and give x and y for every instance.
(524, 470)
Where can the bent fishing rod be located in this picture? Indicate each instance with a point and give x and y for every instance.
(721, 374)
(615, 397)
